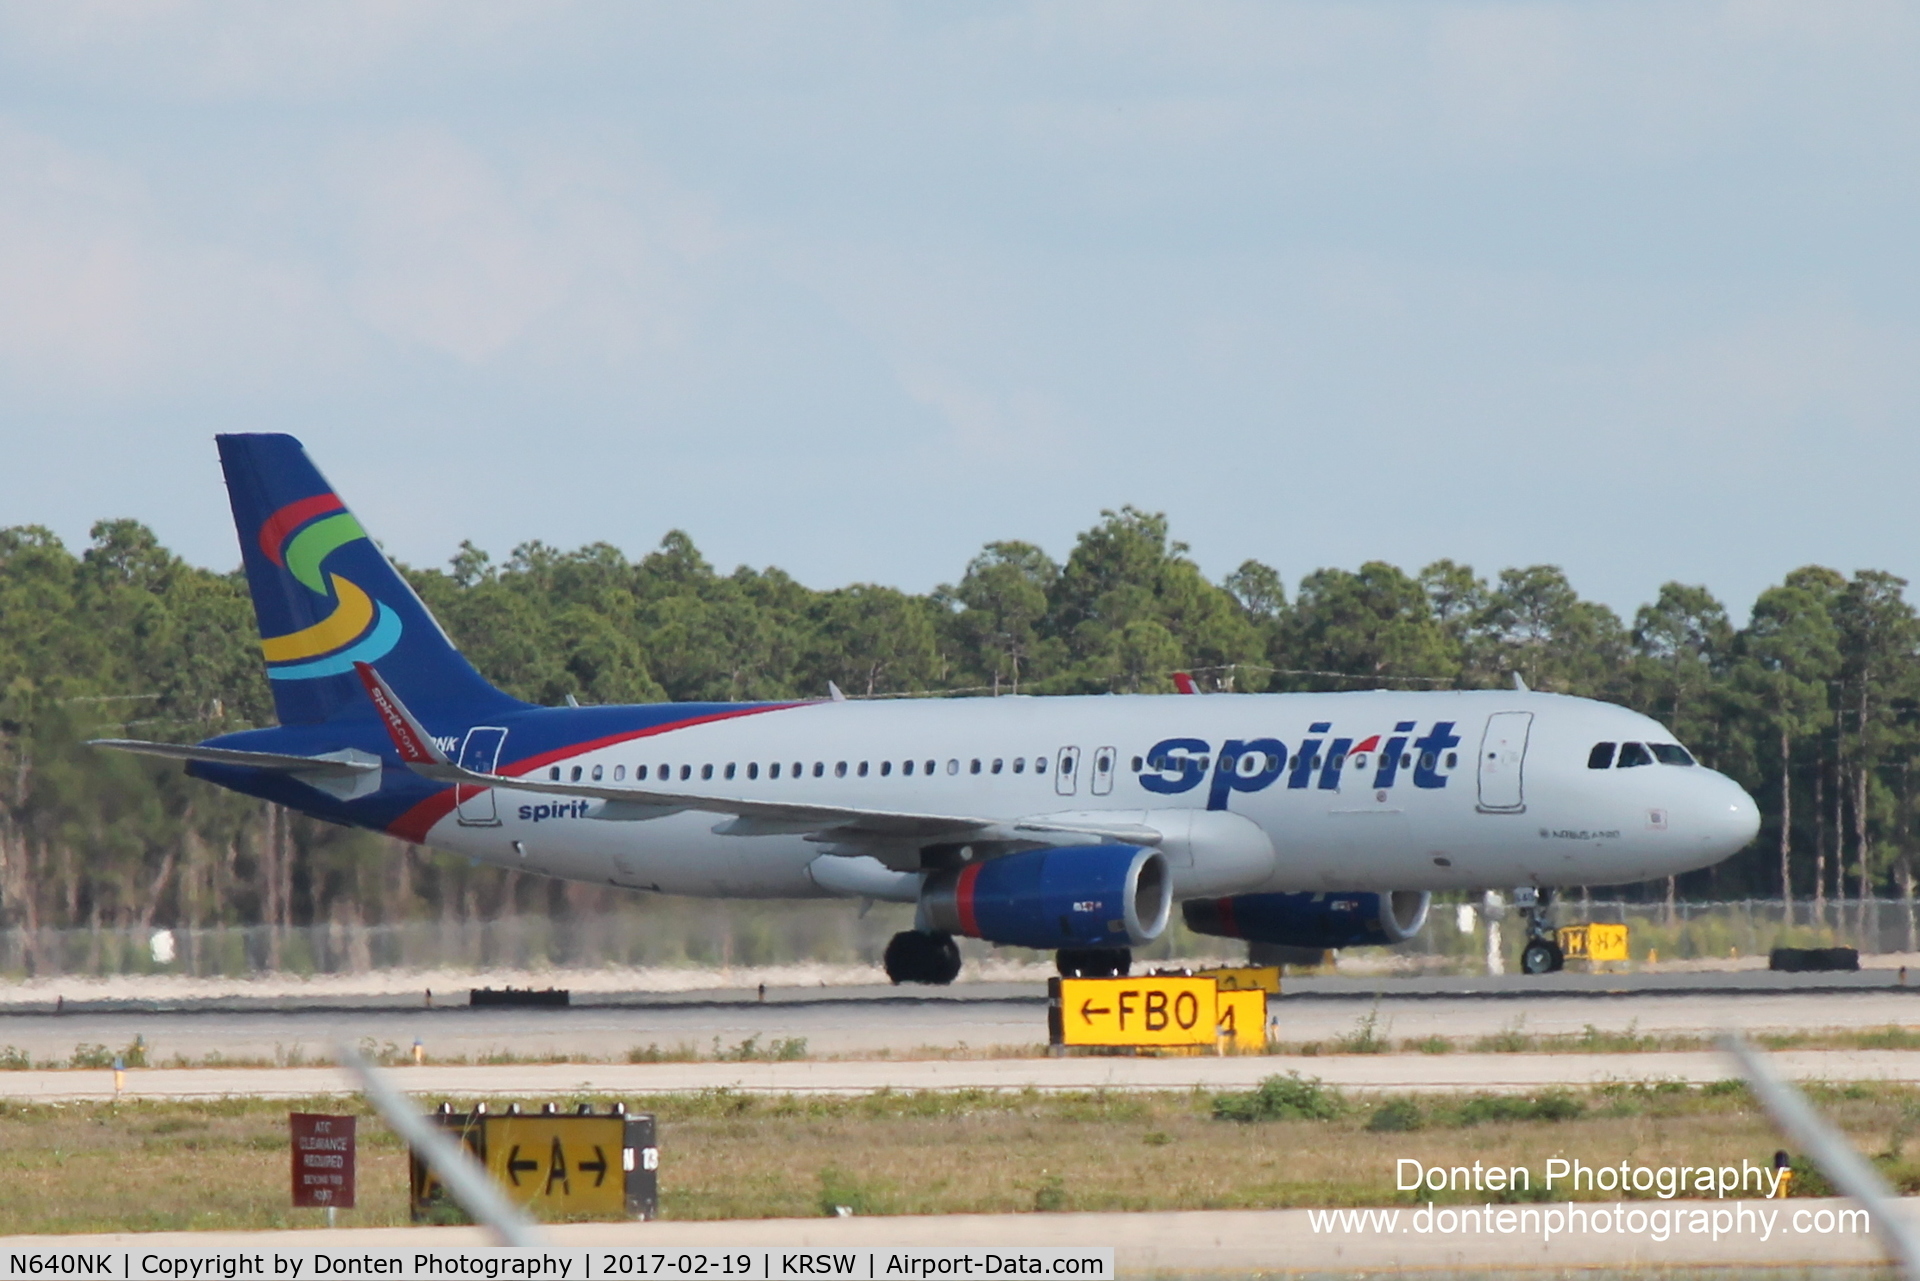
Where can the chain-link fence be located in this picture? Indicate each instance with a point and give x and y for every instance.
(696, 933)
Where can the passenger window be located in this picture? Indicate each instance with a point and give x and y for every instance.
(797, 770)
(975, 768)
(1453, 760)
(619, 773)
(1293, 762)
(1338, 761)
(1406, 760)
(554, 773)
(1066, 765)
(773, 770)
(574, 775)
(706, 771)
(863, 769)
(1019, 764)
(1426, 760)
(599, 772)
(840, 769)
(886, 768)
(1671, 754)
(730, 769)
(640, 773)
(906, 767)
(1039, 764)
(753, 769)
(1601, 757)
(819, 769)
(929, 768)
(998, 764)
(1632, 754)
(686, 772)
(953, 766)
(1136, 764)
(665, 773)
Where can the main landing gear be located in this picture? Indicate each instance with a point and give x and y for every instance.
(1542, 954)
(1093, 962)
(913, 957)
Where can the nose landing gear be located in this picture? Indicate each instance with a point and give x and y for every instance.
(913, 957)
(1542, 954)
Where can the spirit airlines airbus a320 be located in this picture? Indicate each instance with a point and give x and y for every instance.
(1069, 824)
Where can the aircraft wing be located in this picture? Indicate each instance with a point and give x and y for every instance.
(750, 817)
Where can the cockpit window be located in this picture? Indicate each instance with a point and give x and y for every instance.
(1671, 754)
(1632, 754)
(1601, 757)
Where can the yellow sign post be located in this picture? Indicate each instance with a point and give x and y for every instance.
(559, 1165)
(1244, 978)
(565, 1164)
(1242, 1018)
(1593, 942)
(1157, 1010)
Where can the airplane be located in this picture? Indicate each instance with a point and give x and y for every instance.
(1066, 824)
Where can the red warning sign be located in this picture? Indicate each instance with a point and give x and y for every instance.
(322, 1159)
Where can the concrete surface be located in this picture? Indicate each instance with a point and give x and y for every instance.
(1412, 1073)
(875, 1019)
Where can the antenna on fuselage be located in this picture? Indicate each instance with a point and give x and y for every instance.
(834, 693)
(1520, 685)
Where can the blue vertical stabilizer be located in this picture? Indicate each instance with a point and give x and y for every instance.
(326, 597)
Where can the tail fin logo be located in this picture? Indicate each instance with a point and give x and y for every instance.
(298, 538)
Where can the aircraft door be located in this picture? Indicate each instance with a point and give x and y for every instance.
(1066, 771)
(1503, 757)
(481, 754)
(1103, 760)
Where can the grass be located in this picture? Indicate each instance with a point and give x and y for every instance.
(142, 1166)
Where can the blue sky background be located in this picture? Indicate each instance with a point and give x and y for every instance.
(853, 288)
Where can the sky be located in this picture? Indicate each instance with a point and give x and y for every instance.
(855, 288)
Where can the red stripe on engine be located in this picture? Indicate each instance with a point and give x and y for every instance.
(1228, 925)
(963, 899)
(274, 530)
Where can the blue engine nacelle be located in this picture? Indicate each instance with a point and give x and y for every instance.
(1070, 896)
(1310, 920)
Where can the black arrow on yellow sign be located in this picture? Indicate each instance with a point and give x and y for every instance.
(515, 1165)
(598, 1165)
(1087, 1011)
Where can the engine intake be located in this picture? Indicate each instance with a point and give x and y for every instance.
(1311, 920)
(1071, 896)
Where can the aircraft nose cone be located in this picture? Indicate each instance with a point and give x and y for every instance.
(1732, 819)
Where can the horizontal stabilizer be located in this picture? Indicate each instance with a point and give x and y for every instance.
(347, 774)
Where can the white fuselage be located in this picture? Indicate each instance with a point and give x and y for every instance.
(1513, 802)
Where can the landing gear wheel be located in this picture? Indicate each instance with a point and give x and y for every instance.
(1093, 962)
(1542, 957)
(913, 957)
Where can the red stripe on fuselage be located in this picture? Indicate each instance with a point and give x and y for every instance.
(275, 529)
(531, 763)
(418, 821)
(963, 899)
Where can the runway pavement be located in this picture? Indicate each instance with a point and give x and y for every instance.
(1206, 1242)
(1388, 1073)
(973, 1017)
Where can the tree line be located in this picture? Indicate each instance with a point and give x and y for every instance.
(1814, 705)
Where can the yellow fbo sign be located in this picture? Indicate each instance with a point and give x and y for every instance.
(1154, 1010)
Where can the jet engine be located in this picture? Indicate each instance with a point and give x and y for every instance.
(1311, 920)
(1066, 897)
